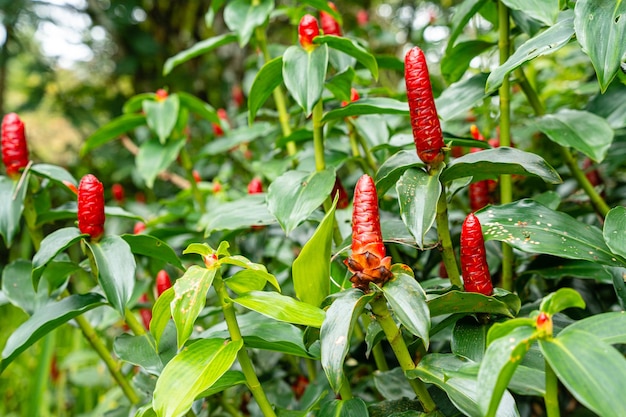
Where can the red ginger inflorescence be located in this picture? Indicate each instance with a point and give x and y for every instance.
(368, 261)
(13, 143)
(307, 30)
(329, 25)
(476, 277)
(91, 207)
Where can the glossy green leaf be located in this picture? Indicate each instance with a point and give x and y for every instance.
(354, 407)
(153, 157)
(116, 270)
(573, 269)
(456, 60)
(504, 303)
(11, 206)
(592, 370)
(112, 130)
(373, 105)
(190, 297)
(392, 169)
(547, 42)
(610, 105)
(418, 193)
(161, 115)
(297, 136)
(54, 172)
(560, 300)
(498, 365)
(583, 131)
(51, 246)
(198, 49)
(503, 328)
(282, 308)
(609, 327)
(229, 379)
(323, 5)
(311, 269)
(340, 85)
(352, 48)
(336, 331)
(152, 247)
(613, 231)
(408, 302)
(200, 365)
(248, 280)
(243, 16)
(161, 313)
(69, 211)
(293, 196)
(140, 351)
(238, 136)
(462, 15)
(265, 82)
(544, 11)
(461, 96)
(304, 73)
(245, 212)
(601, 30)
(533, 228)
(197, 106)
(393, 384)
(490, 163)
(44, 321)
(469, 338)
(619, 284)
(134, 104)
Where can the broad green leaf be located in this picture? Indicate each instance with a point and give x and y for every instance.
(591, 370)
(197, 106)
(135, 103)
(304, 73)
(152, 247)
(418, 193)
(245, 212)
(533, 228)
(293, 196)
(490, 163)
(12, 196)
(354, 407)
(583, 131)
(161, 313)
(547, 42)
(601, 30)
(282, 308)
(373, 105)
(238, 136)
(51, 246)
(55, 173)
(503, 328)
(560, 300)
(393, 384)
(161, 115)
(408, 302)
(153, 157)
(199, 365)
(456, 60)
(462, 15)
(311, 269)
(68, 211)
(229, 379)
(336, 331)
(198, 49)
(248, 280)
(352, 48)
(613, 231)
(544, 11)
(461, 97)
(190, 297)
(44, 321)
(619, 284)
(243, 16)
(608, 327)
(498, 365)
(573, 269)
(610, 105)
(265, 82)
(340, 85)
(506, 304)
(116, 269)
(112, 130)
(139, 350)
(392, 169)
(469, 338)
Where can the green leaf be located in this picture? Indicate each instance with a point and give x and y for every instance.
(304, 73)
(323, 5)
(462, 15)
(560, 300)
(139, 350)
(198, 49)
(51, 246)
(54, 173)
(152, 247)
(408, 302)
(461, 97)
(135, 103)
(243, 16)
(190, 297)
(456, 60)
(573, 269)
(619, 284)
(229, 379)
(200, 365)
(44, 321)
(392, 169)
(161, 313)
(418, 193)
(354, 407)
(373, 105)
(161, 115)
(153, 157)
(498, 365)
(293, 196)
(265, 82)
(503, 328)
(547, 42)
(282, 308)
(335, 333)
(352, 48)
(237, 136)
(610, 105)
(340, 85)
(506, 304)
(544, 11)
(311, 269)
(116, 270)
(490, 163)
(112, 130)
(601, 30)
(248, 280)
(469, 338)
(197, 106)
(533, 228)
(613, 231)
(591, 370)
(245, 212)
(583, 131)
(608, 327)
(11, 206)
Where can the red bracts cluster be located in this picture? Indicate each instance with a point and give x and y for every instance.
(91, 206)
(476, 277)
(427, 132)
(255, 186)
(307, 30)
(13, 143)
(368, 261)
(329, 25)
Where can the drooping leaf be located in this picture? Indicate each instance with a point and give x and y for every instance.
(461, 96)
(198, 49)
(243, 16)
(282, 308)
(373, 105)
(248, 280)
(560, 300)
(245, 212)
(544, 11)
(610, 106)
(502, 302)
(304, 73)
(54, 172)
(197, 106)
(265, 82)
(153, 247)
(238, 136)
(161, 313)
(609, 327)
(456, 60)
(139, 350)
(11, 207)
(613, 231)
(153, 157)
(51, 246)
(352, 48)
(112, 130)
(161, 115)
(344, 408)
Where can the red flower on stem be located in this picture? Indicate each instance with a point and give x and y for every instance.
(476, 277)
(163, 282)
(13, 143)
(118, 192)
(91, 207)
(307, 30)
(255, 186)
(329, 25)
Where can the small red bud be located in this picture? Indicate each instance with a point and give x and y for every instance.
(217, 187)
(13, 143)
(307, 30)
(362, 17)
(209, 260)
(161, 94)
(196, 176)
(118, 192)
(139, 227)
(163, 282)
(237, 95)
(343, 200)
(544, 325)
(354, 96)
(91, 206)
(329, 25)
(255, 186)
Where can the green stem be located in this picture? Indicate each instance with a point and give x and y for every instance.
(185, 160)
(394, 336)
(30, 216)
(133, 323)
(37, 401)
(311, 369)
(551, 396)
(242, 356)
(345, 391)
(318, 136)
(369, 158)
(443, 230)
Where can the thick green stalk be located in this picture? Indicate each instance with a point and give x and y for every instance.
(133, 323)
(443, 230)
(242, 356)
(551, 398)
(318, 136)
(506, 189)
(394, 336)
(37, 402)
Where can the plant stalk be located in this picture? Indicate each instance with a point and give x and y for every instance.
(38, 404)
(133, 323)
(443, 230)
(551, 398)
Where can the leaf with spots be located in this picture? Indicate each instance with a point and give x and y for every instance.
(614, 226)
(531, 227)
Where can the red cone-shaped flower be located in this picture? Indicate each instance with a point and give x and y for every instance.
(476, 277)
(307, 30)
(329, 25)
(13, 143)
(163, 282)
(91, 206)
